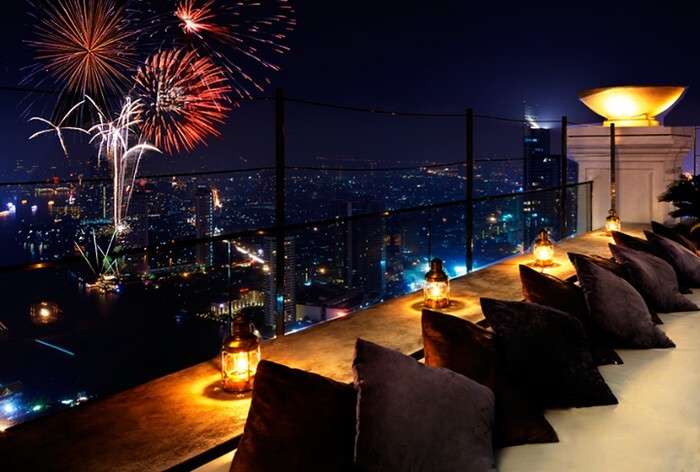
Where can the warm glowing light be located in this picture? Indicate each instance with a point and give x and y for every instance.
(436, 291)
(612, 223)
(240, 356)
(631, 105)
(216, 198)
(44, 313)
(543, 249)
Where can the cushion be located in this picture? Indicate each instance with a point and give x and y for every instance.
(548, 290)
(610, 264)
(618, 310)
(545, 352)
(470, 350)
(617, 269)
(673, 234)
(654, 279)
(412, 417)
(685, 262)
(297, 421)
(632, 242)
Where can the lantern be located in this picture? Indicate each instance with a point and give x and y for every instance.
(436, 291)
(612, 222)
(543, 249)
(240, 356)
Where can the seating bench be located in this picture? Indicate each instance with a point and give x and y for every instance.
(655, 427)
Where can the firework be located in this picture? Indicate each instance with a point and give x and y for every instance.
(198, 19)
(183, 98)
(58, 128)
(241, 36)
(117, 142)
(86, 45)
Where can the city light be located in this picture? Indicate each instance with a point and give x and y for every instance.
(44, 313)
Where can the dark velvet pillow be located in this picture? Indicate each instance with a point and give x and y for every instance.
(654, 279)
(618, 310)
(413, 417)
(468, 349)
(617, 269)
(297, 421)
(548, 290)
(685, 262)
(545, 352)
(632, 242)
(674, 235)
(610, 264)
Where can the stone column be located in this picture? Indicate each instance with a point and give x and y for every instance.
(648, 160)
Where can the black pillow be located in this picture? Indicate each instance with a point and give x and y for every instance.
(610, 264)
(470, 350)
(618, 310)
(545, 289)
(631, 242)
(545, 352)
(685, 262)
(654, 279)
(674, 235)
(617, 269)
(412, 417)
(297, 421)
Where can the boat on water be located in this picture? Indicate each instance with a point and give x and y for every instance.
(10, 389)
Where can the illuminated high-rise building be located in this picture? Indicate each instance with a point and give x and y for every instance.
(365, 255)
(275, 301)
(204, 224)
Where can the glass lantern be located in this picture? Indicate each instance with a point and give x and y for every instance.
(240, 356)
(612, 222)
(543, 249)
(436, 291)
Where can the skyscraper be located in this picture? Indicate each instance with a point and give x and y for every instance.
(275, 301)
(365, 254)
(204, 224)
(541, 170)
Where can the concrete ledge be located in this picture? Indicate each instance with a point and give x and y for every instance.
(170, 420)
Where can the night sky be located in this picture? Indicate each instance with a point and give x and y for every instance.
(432, 56)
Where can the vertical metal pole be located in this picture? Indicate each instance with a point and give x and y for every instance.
(613, 169)
(590, 207)
(280, 165)
(469, 189)
(695, 150)
(564, 178)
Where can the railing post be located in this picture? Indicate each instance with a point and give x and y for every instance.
(613, 170)
(469, 189)
(564, 178)
(280, 165)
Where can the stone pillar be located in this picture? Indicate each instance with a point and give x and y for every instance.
(648, 160)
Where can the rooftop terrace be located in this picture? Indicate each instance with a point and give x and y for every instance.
(184, 419)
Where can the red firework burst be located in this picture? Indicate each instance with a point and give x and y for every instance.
(183, 97)
(88, 45)
(196, 20)
(241, 34)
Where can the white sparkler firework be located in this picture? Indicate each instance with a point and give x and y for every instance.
(118, 142)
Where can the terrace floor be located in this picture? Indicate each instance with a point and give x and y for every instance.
(173, 419)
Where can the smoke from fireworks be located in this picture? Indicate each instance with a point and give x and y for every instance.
(183, 97)
(86, 45)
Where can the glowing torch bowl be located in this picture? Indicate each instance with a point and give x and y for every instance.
(631, 105)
